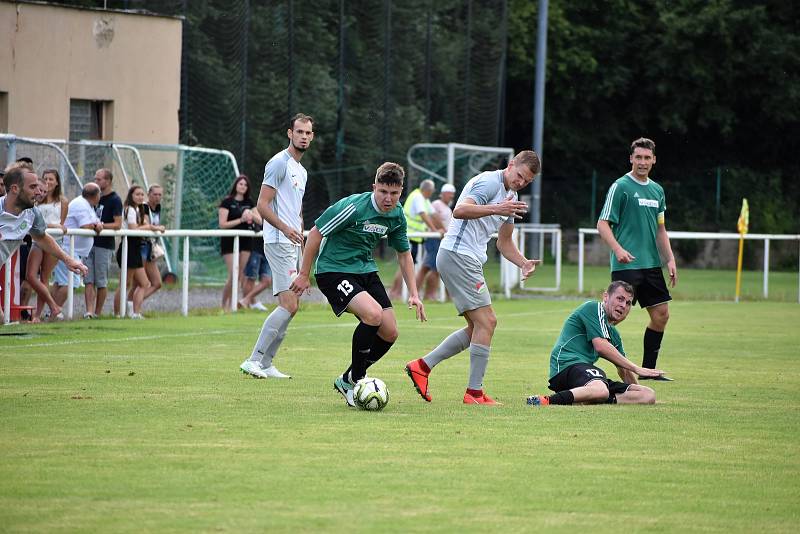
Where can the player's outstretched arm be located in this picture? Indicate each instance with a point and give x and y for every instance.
(301, 283)
(509, 250)
(607, 235)
(49, 245)
(407, 270)
(468, 209)
(607, 351)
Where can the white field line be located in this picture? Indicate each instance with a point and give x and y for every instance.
(348, 324)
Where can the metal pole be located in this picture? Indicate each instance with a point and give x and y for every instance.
(580, 261)
(178, 200)
(243, 150)
(235, 275)
(70, 283)
(766, 268)
(123, 279)
(538, 105)
(185, 278)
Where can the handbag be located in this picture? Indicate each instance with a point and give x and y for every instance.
(158, 251)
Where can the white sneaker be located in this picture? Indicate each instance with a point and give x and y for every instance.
(129, 308)
(349, 398)
(253, 369)
(272, 372)
(258, 306)
(136, 316)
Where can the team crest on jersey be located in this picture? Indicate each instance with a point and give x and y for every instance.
(648, 203)
(372, 228)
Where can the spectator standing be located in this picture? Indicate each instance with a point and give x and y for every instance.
(133, 219)
(109, 211)
(427, 273)
(236, 213)
(53, 207)
(150, 245)
(258, 276)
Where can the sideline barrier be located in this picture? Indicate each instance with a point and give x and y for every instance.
(509, 273)
(705, 235)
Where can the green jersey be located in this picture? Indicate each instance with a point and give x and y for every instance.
(351, 229)
(633, 210)
(574, 344)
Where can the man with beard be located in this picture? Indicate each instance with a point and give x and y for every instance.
(280, 204)
(18, 218)
(590, 333)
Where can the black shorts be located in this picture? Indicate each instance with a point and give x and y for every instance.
(580, 374)
(226, 245)
(134, 253)
(648, 284)
(24, 250)
(340, 288)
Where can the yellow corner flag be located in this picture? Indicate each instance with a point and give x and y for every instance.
(744, 218)
(744, 221)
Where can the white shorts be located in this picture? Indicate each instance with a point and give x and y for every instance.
(284, 260)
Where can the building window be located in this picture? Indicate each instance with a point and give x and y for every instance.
(90, 120)
(3, 112)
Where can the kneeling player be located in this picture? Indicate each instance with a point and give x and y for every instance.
(342, 242)
(588, 334)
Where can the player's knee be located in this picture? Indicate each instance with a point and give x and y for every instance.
(648, 396)
(598, 391)
(390, 336)
(372, 316)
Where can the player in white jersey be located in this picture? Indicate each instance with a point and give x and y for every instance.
(280, 203)
(488, 204)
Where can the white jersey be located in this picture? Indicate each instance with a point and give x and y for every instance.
(80, 213)
(14, 228)
(284, 174)
(470, 236)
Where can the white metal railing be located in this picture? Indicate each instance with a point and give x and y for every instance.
(705, 235)
(509, 273)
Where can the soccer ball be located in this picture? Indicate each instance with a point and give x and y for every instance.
(371, 394)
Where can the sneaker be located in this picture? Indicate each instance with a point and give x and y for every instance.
(345, 389)
(272, 372)
(419, 377)
(136, 316)
(129, 308)
(662, 378)
(483, 398)
(258, 306)
(253, 369)
(88, 315)
(538, 400)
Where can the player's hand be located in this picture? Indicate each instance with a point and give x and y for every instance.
(515, 208)
(529, 267)
(293, 235)
(623, 256)
(644, 371)
(300, 284)
(76, 266)
(415, 302)
(672, 269)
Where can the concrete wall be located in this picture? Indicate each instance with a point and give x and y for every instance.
(50, 54)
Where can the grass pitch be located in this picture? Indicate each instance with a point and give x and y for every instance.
(130, 426)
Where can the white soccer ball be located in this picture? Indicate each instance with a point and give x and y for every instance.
(371, 394)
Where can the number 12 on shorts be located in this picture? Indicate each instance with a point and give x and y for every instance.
(345, 287)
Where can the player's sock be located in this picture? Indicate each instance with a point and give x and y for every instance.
(478, 361)
(363, 338)
(275, 321)
(272, 350)
(562, 397)
(452, 345)
(652, 344)
(379, 347)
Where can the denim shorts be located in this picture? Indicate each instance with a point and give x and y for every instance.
(257, 266)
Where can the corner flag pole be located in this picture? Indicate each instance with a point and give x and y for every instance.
(744, 220)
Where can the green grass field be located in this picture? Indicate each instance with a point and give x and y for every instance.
(129, 426)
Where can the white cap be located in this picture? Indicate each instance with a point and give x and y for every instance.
(448, 188)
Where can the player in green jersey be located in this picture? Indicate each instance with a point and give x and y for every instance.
(632, 225)
(342, 242)
(590, 333)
